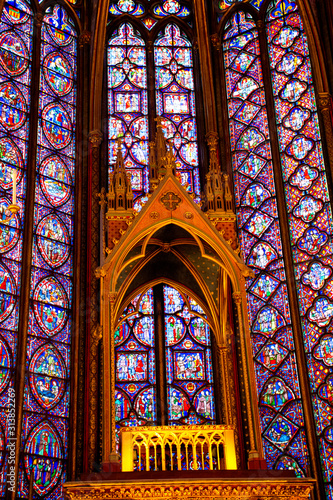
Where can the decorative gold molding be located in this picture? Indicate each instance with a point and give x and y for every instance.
(262, 489)
(84, 38)
(95, 138)
(216, 41)
(95, 337)
(325, 106)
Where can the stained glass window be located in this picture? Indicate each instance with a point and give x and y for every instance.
(46, 402)
(127, 101)
(280, 407)
(16, 47)
(175, 101)
(187, 366)
(135, 364)
(309, 218)
(188, 361)
(308, 207)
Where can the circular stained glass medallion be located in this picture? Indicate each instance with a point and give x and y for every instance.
(13, 54)
(50, 301)
(58, 73)
(53, 240)
(57, 125)
(12, 106)
(47, 376)
(55, 180)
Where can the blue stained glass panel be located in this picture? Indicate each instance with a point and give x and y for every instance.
(175, 102)
(308, 205)
(188, 360)
(135, 363)
(16, 46)
(46, 402)
(127, 104)
(260, 239)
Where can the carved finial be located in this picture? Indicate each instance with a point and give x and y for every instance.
(227, 193)
(119, 159)
(84, 38)
(102, 198)
(170, 161)
(95, 138)
(214, 185)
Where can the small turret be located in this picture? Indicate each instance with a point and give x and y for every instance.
(218, 197)
(120, 195)
(214, 186)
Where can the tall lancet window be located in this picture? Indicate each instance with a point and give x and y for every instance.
(128, 106)
(175, 101)
(43, 407)
(308, 208)
(133, 105)
(306, 241)
(260, 237)
(16, 29)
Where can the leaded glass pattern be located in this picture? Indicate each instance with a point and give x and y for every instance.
(280, 407)
(127, 104)
(308, 207)
(156, 11)
(188, 361)
(175, 102)
(135, 364)
(16, 47)
(46, 402)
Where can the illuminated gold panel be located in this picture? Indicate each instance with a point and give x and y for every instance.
(162, 448)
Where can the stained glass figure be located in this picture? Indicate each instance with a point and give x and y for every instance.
(260, 238)
(43, 457)
(16, 47)
(188, 359)
(175, 102)
(127, 104)
(307, 200)
(46, 402)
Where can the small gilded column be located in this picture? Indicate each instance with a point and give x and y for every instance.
(255, 453)
(94, 330)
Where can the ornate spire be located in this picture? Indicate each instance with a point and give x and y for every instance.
(214, 186)
(161, 157)
(120, 195)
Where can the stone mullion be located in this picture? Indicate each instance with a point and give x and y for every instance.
(161, 386)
